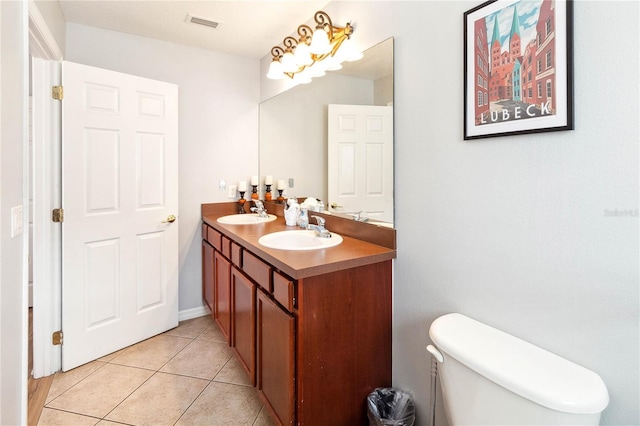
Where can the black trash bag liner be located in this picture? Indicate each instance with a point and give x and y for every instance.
(390, 407)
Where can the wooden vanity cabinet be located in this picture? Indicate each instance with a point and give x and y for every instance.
(276, 358)
(315, 346)
(230, 295)
(264, 333)
(222, 288)
(343, 343)
(208, 276)
(243, 301)
(211, 240)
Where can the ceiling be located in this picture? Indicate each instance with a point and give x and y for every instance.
(247, 28)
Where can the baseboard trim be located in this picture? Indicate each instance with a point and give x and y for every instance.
(188, 314)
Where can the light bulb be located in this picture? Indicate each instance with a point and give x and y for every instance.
(288, 62)
(302, 77)
(320, 42)
(275, 70)
(317, 70)
(332, 63)
(303, 55)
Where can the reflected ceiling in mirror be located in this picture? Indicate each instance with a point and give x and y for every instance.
(293, 124)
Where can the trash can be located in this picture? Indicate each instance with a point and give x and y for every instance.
(390, 407)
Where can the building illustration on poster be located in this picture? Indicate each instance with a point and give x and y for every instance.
(515, 63)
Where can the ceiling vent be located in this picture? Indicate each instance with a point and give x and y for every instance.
(202, 21)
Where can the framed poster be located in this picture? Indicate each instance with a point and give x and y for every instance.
(518, 75)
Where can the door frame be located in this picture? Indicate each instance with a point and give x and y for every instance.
(47, 246)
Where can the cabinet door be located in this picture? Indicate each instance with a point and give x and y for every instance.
(222, 297)
(276, 358)
(207, 276)
(243, 296)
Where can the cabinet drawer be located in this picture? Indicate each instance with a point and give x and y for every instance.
(226, 247)
(283, 290)
(214, 238)
(236, 254)
(259, 271)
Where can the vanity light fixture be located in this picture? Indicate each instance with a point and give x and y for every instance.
(314, 52)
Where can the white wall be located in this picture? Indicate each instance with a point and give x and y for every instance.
(514, 231)
(218, 116)
(13, 270)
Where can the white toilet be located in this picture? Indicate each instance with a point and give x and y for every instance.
(489, 377)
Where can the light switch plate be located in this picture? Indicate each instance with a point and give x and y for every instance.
(16, 221)
(232, 191)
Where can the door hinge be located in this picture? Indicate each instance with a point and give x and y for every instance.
(57, 92)
(56, 337)
(57, 215)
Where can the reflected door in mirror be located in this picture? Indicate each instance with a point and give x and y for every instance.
(360, 160)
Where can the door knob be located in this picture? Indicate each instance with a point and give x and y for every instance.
(335, 206)
(170, 219)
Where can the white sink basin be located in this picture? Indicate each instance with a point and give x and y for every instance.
(298, 240)
(245, 219)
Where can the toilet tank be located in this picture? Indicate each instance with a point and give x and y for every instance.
(526, 370)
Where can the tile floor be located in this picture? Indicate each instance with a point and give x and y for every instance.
(186, 376)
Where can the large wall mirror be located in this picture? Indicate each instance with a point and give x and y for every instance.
(294, 132)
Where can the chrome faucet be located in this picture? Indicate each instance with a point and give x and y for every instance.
(319, 229)
(259, 209)
(359, 218)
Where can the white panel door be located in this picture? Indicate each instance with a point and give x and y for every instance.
(119, 187)
(360, 160)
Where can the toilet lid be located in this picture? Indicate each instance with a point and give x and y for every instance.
(525, 369)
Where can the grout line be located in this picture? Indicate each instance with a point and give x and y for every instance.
(73, 412)
(203, 389)
(192, 402)
(113, 361)
(156, 371)
(47, 402)
(127, 397)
